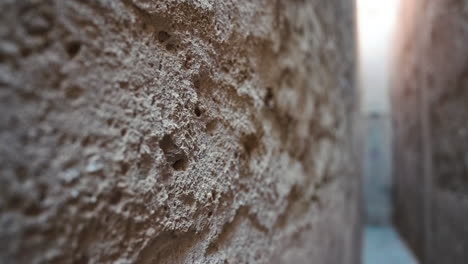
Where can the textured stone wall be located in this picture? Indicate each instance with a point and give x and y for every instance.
(430, 102)
(140, 131)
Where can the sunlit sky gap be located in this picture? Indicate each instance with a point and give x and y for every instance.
(376, 24)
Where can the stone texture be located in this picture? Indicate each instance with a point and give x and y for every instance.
(140, 131)
(430, 102)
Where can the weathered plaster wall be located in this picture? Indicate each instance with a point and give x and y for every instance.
(430, 108)
(140, 131)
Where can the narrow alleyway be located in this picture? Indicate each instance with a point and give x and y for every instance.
(381, 242)
(207, 131)
(383, 245)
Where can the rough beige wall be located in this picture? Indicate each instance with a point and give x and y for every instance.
(431, 112)
(140, 131)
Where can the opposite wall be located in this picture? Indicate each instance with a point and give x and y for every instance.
(139, 131)
(431, 131)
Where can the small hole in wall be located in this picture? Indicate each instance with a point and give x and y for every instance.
(124, 167)
(33, 209)
(123, 84)
(73, 92)
(250, 142)
(110, 121)
(25, 52)
(268, 100)
(163, 36)
(197, 111)
(88, 140)
(180, 164)
(116, 196)
(174, 155)
(73, 48)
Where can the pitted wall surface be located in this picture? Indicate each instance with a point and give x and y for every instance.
(140, 131)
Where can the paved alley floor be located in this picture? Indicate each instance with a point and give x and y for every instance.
(383, 245)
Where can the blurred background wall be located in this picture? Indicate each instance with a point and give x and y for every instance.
(430, 112)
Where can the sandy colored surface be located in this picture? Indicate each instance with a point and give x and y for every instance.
(141, 131)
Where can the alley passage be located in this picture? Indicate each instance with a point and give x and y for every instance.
(383, 245)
